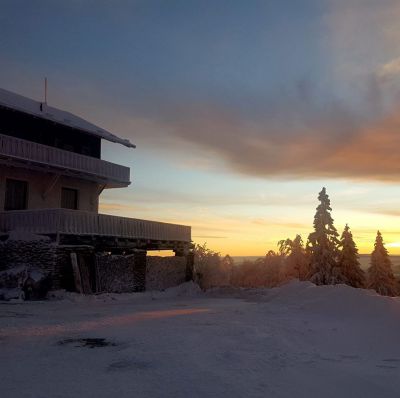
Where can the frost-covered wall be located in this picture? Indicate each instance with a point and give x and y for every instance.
(116, 273)
(131, 273)
(113, 273)
(37, 252)
(165, 272)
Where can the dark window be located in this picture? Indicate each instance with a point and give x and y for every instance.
(69, 198)
(85, 150)
(16, 195)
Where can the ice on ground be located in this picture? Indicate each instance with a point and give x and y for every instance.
(297, 340)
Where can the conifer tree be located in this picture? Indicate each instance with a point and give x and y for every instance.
(380, 274)
(349, 265)
(323, 245)
(296, 263)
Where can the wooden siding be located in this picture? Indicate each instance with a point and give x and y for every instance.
(65, 161)
(63, 221)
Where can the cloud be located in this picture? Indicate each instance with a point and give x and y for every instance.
(262, 115)
(390, 69)
(298, 140)
(386, 211)
(119, 207)
(286, 224)
(208, 237)
(196, 198)
(302, 132)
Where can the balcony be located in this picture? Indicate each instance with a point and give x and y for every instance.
(38, 156)
(80, 224)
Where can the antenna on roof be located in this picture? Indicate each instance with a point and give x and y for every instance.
(45, 90)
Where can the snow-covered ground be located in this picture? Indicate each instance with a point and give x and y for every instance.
(295, 341)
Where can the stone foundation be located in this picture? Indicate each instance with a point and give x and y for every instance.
(136, 272)
(39, 253)
(53, 260)
(165, 272)
(102, 272)
(115, 273)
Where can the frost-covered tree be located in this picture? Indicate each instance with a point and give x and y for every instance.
(226, 267)
(349, 264)
(296, 262)
(323, 244)
(206, 266)
(380, 274)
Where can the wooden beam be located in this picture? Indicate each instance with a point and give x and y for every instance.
(52, 183)
(101, 189)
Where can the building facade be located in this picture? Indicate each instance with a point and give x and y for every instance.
(51, 177)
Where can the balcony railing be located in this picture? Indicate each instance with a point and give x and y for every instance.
(73, 222)
(65, 161)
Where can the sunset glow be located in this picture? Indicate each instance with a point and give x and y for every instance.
(240, 113)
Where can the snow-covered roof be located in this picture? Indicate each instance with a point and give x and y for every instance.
(42, 110)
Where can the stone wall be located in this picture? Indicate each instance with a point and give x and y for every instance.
(42, 254)
(36, 253)
(120, 274)
(165, 272)
(115, 273)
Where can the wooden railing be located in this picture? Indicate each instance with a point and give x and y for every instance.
(63, 221)
(65, 160)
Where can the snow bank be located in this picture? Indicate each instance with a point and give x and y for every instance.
(187, 289)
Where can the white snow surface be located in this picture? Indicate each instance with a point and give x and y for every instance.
(27, 105)
(298, 340)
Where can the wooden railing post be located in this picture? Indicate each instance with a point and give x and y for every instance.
(24, 150)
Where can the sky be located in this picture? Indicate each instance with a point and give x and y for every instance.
(241, 110)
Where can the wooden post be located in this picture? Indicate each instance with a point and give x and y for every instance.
(139, 270)
(189, 266)
(76, 272)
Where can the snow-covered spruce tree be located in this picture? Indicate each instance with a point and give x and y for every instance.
(380, 274)
(349, 265)
(322, 246)
(297, 264)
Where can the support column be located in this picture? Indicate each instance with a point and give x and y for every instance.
(139, 270)
(189, 266)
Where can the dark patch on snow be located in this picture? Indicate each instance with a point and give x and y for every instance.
(128, 364)
(347, 356)
(87, 342)
(12, 314)
(386, 366)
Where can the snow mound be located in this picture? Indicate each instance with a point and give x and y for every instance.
(11, 294)
(335, 301)
(187, 289)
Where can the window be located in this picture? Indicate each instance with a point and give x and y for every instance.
(16, 195)
(69, 198)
